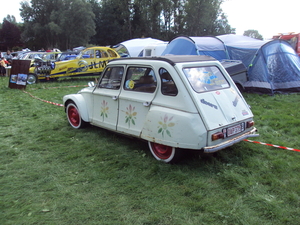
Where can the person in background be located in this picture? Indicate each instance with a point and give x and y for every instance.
(2, 66)
(9, 57)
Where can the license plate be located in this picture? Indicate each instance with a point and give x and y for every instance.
(230, 131)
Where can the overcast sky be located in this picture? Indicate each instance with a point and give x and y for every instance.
(268, 17)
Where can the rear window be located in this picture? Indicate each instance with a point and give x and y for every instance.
(205, 78)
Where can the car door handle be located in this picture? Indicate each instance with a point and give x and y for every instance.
(115, 98)
(146, 104)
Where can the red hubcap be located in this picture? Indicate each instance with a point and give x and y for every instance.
(73, 116)
(161, 151)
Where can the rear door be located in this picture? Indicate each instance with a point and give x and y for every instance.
(136, 98)
(217, 100)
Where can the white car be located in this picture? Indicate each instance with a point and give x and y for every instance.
(175, 103)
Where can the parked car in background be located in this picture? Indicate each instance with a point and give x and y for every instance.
(67, 56)
(89, 62)
(174, 103)
(50, 56)
(30, 56)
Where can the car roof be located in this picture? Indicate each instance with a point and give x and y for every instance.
(97, 47)
(67, 53)
(172, 59)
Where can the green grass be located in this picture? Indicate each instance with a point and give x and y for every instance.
(51, 173)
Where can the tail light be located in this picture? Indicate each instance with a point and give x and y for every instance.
(250, 124)
(216, 136)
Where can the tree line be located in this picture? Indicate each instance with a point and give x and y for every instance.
(65, 24)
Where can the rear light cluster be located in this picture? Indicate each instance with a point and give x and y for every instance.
(250, 124)
(220, 135)
(216, 136)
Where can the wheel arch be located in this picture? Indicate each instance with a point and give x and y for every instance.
(79, 101)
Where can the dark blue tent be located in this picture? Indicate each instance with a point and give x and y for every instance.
(275, 68)
(241, 47)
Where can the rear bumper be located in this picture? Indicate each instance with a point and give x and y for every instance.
(230, 142)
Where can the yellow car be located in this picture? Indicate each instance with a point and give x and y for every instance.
(89, 62)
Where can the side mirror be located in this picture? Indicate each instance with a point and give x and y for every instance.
(91, 84)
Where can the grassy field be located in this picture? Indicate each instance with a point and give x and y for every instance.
(51, 173)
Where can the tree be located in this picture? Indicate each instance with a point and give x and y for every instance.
(253, 34)
(203, 17)
(57, 23)
(11, 19)
(114, 22)
(76, 23)
(68, 23)
(10, 34)
(96, 8)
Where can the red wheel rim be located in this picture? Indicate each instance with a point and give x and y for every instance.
(162, 151)
(73, 116)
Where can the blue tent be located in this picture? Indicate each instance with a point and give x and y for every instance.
(241, 47)
(272, 66)
(274, 69)
(196, 46)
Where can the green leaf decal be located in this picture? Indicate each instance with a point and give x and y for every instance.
(168, 133)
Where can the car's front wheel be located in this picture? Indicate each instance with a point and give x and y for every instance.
(32, 79)
(74, 117)
(165, 153)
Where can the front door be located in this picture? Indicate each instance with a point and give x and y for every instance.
(106, 98)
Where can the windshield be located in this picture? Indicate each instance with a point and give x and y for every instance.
(207, 78)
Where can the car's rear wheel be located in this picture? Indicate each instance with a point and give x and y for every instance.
(165, 153)
(32, 79)
(74, 117)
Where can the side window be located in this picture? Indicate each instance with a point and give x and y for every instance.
(88, 54)
(111, 78)
(168, 86)
(112, 53)
(141, 79)
(98, 54)
(104, 54)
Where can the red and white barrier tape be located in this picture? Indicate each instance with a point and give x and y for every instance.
(276, 146)
(59, 87)
(53, 103)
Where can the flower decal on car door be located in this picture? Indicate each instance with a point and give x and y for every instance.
(104, 109)
(164, 124)
(130, 115)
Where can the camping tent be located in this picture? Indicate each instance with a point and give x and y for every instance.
(272, 66)
(275, 68)
(241, 47)
(133, 47)
(155, 49)
(196, 46)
